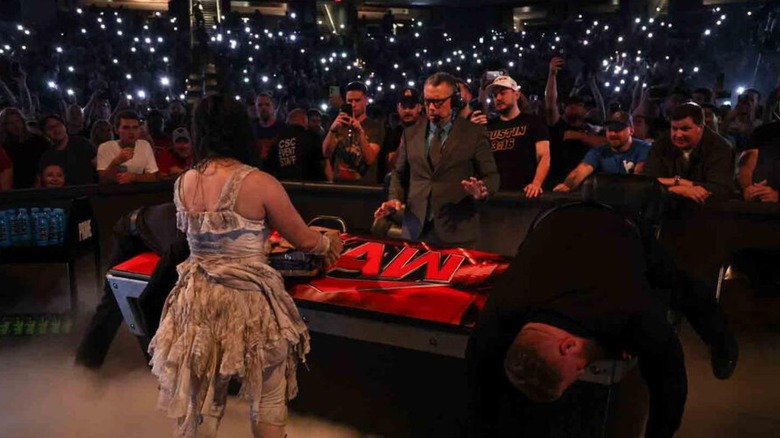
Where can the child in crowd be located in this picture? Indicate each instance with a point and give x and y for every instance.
(52, 175)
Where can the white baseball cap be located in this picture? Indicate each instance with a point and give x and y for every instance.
(503, 81)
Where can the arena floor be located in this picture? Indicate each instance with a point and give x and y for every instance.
(351, 389)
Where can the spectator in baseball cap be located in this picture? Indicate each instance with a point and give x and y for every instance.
(623, 154)
(409, 112)
(172, 162)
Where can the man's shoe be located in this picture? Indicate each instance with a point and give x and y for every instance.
(725, 353)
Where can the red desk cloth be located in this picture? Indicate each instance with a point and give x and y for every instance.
(397, 278)
(142, 264)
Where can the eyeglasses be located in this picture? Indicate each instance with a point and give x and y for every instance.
(437, 103)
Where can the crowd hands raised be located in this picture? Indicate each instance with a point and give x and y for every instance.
(294, 82)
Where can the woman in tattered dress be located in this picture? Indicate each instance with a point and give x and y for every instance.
(229, 314)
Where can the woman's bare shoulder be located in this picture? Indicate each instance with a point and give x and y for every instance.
(258, 178)
(260, 185)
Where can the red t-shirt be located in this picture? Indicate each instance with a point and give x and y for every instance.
(162, 144)
(166, 160)
(5, 161)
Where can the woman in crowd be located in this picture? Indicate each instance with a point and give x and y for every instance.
(229, 314)
(23, 147)
(101, 133)
(6, 171)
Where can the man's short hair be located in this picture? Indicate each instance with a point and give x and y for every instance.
(356, 86)
(573, 100)
(441, 77)
(706, 92)
(46, 118)
(297, 116)
(688, 109)
(529, 372)
(268, 95)
(127, 115)
(314, 113)
(460, 81)
(680, 92)
(711, 107)
(753, 90)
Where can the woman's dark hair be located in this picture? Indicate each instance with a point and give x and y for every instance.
(221, 129)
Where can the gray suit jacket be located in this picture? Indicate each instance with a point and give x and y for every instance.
(466, 153)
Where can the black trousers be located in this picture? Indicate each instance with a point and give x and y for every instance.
(689, 295)
(129, 242)
(431, 237)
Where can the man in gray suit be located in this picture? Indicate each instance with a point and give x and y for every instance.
(449, 168)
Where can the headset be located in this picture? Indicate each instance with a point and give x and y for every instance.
(456, 101)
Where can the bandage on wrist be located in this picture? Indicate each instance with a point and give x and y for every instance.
(323, 245)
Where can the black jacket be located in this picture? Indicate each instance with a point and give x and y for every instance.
(711, 163)
(582, 269)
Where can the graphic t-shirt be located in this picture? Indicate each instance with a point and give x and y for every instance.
(349, 164)
(604, 160)
(296, 155)
(265, 135)
(513, 143)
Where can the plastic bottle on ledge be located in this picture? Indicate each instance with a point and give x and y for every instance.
(5, 229)
(55, 325)
(42, 228)
(35, 213)
(30, 325)
(5, 325)
(62, 224)
(13, 225)
(23, 224)
(43, 325)
(17, 326)
(53, 228)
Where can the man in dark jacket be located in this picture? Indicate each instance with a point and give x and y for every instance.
(146, 229)
(449, 169)
(693, 161)
(554, 311)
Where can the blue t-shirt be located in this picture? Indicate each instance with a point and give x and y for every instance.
(604, 160)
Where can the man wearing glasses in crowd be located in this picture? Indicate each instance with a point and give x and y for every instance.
(449, 167)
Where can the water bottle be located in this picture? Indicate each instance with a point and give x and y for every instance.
(53, 232)
(5, 230)
(43, 325)
(13, 225)
(62, 224)
(55, 325)
(42, 228)
(67, 325)
(23, 225)
(17, 326)
(34, 213)
(30, 325)
(5, 321)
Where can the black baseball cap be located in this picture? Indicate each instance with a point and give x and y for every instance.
(618, 121)
(409, 96)
(574, 100)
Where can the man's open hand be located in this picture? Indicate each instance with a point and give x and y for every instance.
(475, 187)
